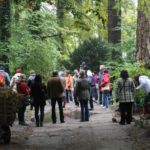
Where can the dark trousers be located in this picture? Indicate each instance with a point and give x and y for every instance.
(53, 103)
(100, 97)
(126, 112)
(146, 105)
(21, 114)
(84, 110)
(39, 117)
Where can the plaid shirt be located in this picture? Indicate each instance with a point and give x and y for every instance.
(124, 90)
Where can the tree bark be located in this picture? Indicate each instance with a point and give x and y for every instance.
(4, 29)
(114, 22)
(143, 37)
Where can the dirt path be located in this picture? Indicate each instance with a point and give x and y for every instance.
(97, 134)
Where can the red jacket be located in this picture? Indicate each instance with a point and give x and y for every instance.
(105, 81)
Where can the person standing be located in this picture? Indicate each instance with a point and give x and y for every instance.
(143, 82)
(100, 75)
(68, 87)
(105, 88)
(30, 81)
(22, 88)
(4, 77)
(124, 93)
(38, 92)
(83, 94)
(90, 78)
(55, 91)
(75, 78)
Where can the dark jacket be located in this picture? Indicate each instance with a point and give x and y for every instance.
(55, 87)
(83, 89)
(38, 92)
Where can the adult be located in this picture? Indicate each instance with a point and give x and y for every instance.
(22, 88)
(55, 91)
(38, 92)
(62, 77)
(90, 78)
(30, 81)
(15, 79)
(4, 77)
(83, 94)
(105, 88)
(124, 93)
(69, 86)
(75, 78)
(100, 75)
(31, 78)
(143, 82)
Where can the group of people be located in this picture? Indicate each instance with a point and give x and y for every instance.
(83, 88)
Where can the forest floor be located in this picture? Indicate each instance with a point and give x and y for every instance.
(100, 133)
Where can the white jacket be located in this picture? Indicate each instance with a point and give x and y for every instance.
(144, 83)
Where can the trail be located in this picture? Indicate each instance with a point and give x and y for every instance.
(97, 134)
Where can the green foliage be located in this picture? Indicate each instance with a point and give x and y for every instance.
(94, 52)
(32, 44)
(139, 97)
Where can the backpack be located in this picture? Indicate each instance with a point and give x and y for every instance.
(2, 79)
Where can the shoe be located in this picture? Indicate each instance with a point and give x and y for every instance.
(62, 121)
(37, 124)
(23, 124)
(41, 124)
(121, 123)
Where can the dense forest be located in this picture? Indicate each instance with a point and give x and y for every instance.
(47, 35)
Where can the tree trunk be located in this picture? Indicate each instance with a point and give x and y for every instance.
(114, 22)
(143, 37)
(60, 16)
(4, 28)
(114, 27)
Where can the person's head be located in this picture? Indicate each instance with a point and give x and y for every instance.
(82, 74)
(67, 73)
(124, 74)
(76, 72)
(38, 78)
(55, 74)
(18, 70)
(105, 71)
(32, 72)
(101, 67)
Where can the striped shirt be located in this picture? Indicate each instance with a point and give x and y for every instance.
(124, 90)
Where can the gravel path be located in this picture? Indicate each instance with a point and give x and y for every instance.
(97, 134)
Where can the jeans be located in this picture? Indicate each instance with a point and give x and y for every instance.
(84, 110)
(105, 98)
(68, 95)
(53, 104)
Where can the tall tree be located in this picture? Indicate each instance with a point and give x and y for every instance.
(114, 22)
(4, 28)
(143, 33)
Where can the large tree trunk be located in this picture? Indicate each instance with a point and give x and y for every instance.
(143, 36)
(114, 26)
(60, 16)
(4, 30)
(114, 22)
